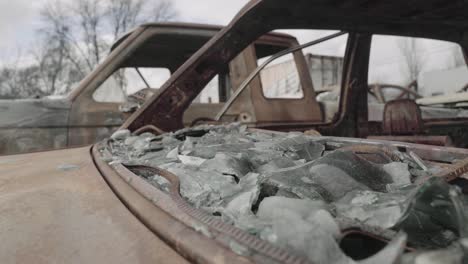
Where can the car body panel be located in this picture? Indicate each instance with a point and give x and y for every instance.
(82, 120)
(32, 124)
(57, 208)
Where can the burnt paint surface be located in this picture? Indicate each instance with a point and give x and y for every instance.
(56, 208)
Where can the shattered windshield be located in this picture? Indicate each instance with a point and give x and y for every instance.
(319, 200)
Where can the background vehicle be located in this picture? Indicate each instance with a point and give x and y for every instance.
(138, 64)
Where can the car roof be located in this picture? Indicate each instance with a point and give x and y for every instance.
(439, 19)
(214, 28)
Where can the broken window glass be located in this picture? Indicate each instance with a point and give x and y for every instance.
(294, 191)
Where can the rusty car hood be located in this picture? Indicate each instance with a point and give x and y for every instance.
(55, 207)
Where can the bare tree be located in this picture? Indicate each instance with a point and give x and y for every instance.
(55, 54)
(123, 15)
(74, 38)
(19, 82)
(94, 20)
(413, 57)
(90, 18)
(74, 29)
(163, 10)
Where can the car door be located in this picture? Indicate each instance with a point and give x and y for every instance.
(253, 105)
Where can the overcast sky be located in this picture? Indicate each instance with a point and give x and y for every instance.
(19, 19)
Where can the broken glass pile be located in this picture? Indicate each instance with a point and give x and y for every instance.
(297, 192)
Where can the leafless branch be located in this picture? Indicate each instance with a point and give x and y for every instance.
(73, 39)
(163, 10)
(414, 57)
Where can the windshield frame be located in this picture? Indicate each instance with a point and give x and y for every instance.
(261, 16)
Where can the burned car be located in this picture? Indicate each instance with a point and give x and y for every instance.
(254, 183)
(138, 64)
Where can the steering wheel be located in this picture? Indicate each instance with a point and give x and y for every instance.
(406, 92)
